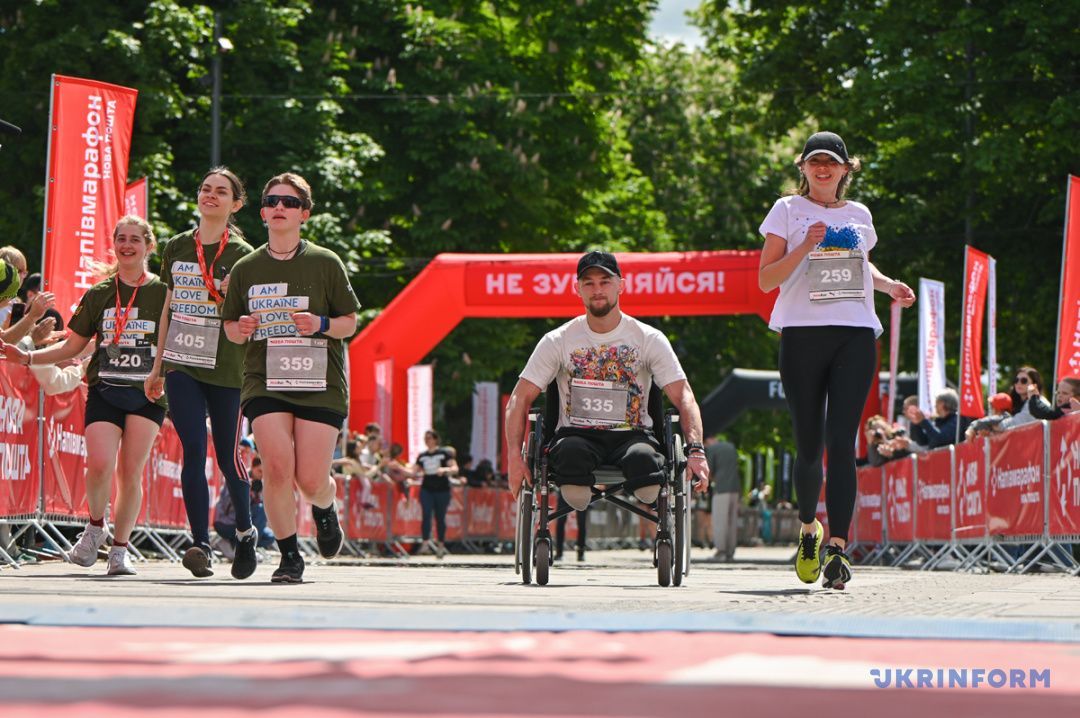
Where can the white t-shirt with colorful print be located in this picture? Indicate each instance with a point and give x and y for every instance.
(850, 229)
(604, 379)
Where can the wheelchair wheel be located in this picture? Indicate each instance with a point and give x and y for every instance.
(543, 561)
(523, 548)
(663, 562)
(682, 543)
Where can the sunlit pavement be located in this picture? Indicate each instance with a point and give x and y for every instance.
(463, 637)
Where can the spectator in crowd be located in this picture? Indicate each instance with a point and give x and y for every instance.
(723, 462)
(1027, 384)
(225, 512)
(998, 419)
(437, 465)
(53, 378)
(881, 441)
(1066, 401)
(940, 429)
(399, 472)
(29, 314)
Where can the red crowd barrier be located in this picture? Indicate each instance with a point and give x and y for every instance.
(868, 522)
(481, 519)
(164, 496)
(933, 496)
(20, 487)
(971, 469)
(1064, 515)
(899, 478)
(1014, 502)
(1023, 482)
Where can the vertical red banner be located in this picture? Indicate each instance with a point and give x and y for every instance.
(89, 142)
(1068, 349)
(137, 199)
(977, 266)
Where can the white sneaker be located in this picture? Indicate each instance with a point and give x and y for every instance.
(119, 562)
(85, 550)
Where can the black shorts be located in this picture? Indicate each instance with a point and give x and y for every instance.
(260, 405)
(97, 409)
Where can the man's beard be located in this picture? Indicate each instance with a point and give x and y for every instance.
(600, 312)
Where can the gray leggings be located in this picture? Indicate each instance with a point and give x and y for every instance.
(827, 373)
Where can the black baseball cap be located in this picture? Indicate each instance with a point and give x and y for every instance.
(603, 260)
(827, 143)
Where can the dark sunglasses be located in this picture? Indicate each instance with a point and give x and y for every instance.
(1022, 380)
(271, 200)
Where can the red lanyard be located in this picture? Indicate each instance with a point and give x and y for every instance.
(121, 321)
(207, 277)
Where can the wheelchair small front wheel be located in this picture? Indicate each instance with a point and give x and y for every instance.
(663, 562)
(543, 561)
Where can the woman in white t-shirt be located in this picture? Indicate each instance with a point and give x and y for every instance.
(816, 251)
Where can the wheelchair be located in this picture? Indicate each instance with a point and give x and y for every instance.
(533, 539)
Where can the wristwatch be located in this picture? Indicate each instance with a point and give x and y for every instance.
(695, 445)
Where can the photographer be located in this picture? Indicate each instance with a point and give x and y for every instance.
(883, 442)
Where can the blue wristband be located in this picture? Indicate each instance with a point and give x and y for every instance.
(324, 324)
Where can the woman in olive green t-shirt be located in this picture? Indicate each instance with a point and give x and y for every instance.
(290, 303)
(122, 313)
(203, 369)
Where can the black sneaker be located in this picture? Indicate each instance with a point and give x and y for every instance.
(197, 560)
(837, 571)
(245, 560)
(291, 569)
(328, 532)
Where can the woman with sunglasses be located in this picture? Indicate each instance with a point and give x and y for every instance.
(203, 369)
(291, 305)
(122, 313)
(817, 247)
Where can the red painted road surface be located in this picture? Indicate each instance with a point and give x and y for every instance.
(120, 672)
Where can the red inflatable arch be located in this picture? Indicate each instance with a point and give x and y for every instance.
(455, 286)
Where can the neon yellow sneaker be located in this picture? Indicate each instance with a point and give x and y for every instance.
(808, 561)
(837, 571)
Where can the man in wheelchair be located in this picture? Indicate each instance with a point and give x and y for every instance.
(605, 364)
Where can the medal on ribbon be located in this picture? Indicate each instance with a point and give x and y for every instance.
(208, 272)
(113, 347)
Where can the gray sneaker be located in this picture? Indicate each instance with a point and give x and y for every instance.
(85, 550)
(119, 562)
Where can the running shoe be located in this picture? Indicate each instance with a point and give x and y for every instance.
(837, 571)
(808, 561)
(85, 550)
(328, 532)
(119, 562)
(245, 559)
(197, 560)
(291, 569)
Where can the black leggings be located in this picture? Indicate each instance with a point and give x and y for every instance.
(827, 373)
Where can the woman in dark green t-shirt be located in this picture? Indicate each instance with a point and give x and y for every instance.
(122, 314)
(203, 369)
(290, 303)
